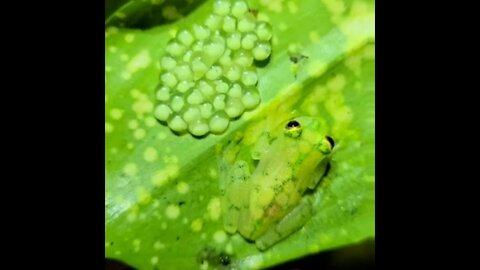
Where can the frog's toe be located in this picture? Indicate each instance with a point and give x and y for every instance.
(267, 240)
(231, 221)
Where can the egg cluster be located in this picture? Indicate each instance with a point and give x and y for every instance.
(208, 75)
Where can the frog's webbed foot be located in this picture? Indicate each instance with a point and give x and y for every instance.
(289, 224)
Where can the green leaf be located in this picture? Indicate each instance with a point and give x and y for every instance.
(146, 13)
(162, 196)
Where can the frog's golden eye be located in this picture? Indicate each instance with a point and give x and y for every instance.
(293, 129)
(331, 141)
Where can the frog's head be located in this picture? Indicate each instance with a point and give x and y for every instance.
(309, 129)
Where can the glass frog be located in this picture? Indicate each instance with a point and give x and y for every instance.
(264, 186)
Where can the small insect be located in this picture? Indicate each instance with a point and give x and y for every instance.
(253, 11)
(297, 58)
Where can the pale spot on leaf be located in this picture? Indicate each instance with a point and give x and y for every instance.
(172, 211)
(116, 113)
(150, 154)
(129, 38)
(139, 61)
(108, 127)
(120, 15)
(130, 169)
(182, 187)
(214, 209)
(220, 236)
(132, 124)
(158, 245)
(139, 134)
(292, 7)
(124, 57)
(196, 225)
(170, 13)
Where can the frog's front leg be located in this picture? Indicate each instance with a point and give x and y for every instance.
(261, 147)
(236, 195)
(319, 173)
(289, 224)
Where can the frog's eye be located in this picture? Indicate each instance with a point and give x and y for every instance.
(293, 129)
(331, 141)
(292, 124)
(326, 148)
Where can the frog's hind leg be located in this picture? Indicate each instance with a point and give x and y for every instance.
(289, 224)
(236, 195)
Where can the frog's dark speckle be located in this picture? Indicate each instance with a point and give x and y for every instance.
(178, 238)
(181, 203)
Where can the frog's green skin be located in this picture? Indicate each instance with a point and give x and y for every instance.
(265, 202)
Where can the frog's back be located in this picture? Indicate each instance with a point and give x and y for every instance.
(290, 158)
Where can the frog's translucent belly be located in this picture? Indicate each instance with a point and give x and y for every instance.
(275, 189)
